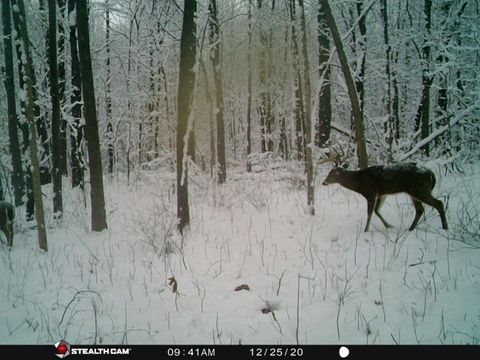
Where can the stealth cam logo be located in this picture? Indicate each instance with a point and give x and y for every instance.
(62, 349)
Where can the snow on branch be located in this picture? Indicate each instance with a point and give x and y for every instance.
(459, 117)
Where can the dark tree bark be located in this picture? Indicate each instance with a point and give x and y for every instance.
(217, 76)
(62, 146)
(185, 98)
(308, 114)
(76, 127)
(299, 112)
(108, 91)
(23, 121)
(211, 116)
(262, 109)
(422, 118)
(269, 115)
(153, 119)
(360, 80)
(171, 135)
(40, 120)
(352, 93)
(99, 220)
(323, 128)
(29, 113)
(191, 143)
(390, 122)
(18, 181)
(249, 88)
(55, 99)
(283, 145)
(442, 99)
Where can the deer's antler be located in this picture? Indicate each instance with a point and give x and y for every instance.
(334, 156)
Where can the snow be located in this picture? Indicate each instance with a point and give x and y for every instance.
(385, 286)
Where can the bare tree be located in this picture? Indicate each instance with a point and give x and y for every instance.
(298, 93)
(55, 99)
(76, 126)
(108, 91)
(249, 88)
(356, 108)
(19, 7)
(324, 102)
(62, 146)
(218, 82)
(422, 119)
(97, 198)
(391, 121)
(17, 174)
(186, 84)
(308, 113)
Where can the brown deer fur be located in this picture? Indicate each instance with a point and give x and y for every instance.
(7, 214)
(375, 182)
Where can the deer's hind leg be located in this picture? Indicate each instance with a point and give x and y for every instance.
(419, 210)
(378, 205)
(437, 204)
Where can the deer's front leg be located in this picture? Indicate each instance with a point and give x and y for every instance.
(371, 201)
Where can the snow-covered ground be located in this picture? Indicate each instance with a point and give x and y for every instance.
(312, 279)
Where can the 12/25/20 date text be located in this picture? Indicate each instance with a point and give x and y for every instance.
(276, 351)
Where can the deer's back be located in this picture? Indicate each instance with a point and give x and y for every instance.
(401, 177)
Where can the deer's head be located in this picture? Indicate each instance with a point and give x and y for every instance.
(334, 175)
(337, 157)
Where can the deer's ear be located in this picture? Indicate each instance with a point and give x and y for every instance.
(345, 165)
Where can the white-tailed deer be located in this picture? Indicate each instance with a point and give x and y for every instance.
(7, 214)
(375, 182)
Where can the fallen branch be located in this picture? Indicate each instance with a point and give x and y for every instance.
(459, 117)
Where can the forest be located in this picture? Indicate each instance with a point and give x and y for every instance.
(163, 162)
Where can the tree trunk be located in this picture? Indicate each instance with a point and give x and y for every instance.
(298, 110)
(23, 121)
(269, 115)
(18, 181)
(29, 113)
(76, 128)
(308, 114)
(61, 87)
(283, 148)
(356, 108)
(323, 127)
(217, 76)
(249, 88)
(422, 119)
(262, 109)
(390, 121)
(360, 80)
(55, 99)
(108, 98)
(99, 221)
(211, 116)
(185, 99)
(40, 120)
